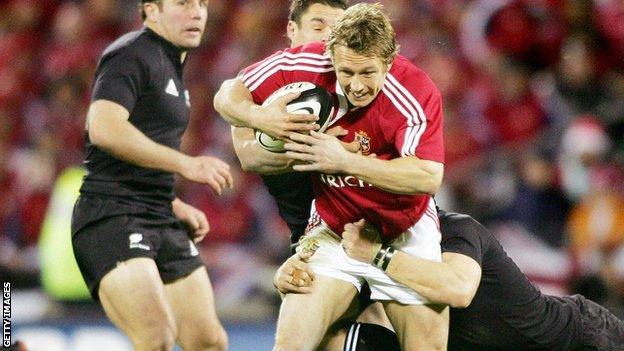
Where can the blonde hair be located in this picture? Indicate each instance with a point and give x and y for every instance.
(365, 29)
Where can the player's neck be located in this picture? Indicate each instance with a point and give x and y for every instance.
(351, 107)
(157, 30)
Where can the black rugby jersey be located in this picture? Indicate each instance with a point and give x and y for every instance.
(142, 72)
(507, 312)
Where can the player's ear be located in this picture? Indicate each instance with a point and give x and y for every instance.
(291, 30)
(152, 11)
(386, 67)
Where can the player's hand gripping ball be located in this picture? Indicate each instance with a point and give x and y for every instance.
(313, 100)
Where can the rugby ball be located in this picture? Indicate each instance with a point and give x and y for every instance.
(313, 100)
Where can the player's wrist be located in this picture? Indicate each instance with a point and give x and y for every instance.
(375, 247)
(350, 163)
(255, 116)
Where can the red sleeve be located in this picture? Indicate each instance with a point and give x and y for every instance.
(431, 143)
(305, 63)
(259, 79)
(419, 102)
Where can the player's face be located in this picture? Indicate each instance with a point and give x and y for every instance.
(182, 22)
(316, 24)
(360, 77)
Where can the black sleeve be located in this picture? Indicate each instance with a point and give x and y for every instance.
(461, 234)
(121, 77)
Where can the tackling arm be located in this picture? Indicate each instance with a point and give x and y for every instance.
(454, 281)
(254, 158)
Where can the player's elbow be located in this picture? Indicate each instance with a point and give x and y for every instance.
(105, 123)
(432, 185)
(218, 101)
(223, 98)
(98, 134)
(460, 301)
(428, 185)
(249, 164)
(427, 178)
(460, 296)
(249, 160)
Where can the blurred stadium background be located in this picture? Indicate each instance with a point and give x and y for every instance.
(534, 106)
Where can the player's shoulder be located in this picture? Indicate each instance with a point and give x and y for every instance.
(458, 224)
(308, 55)
(306, 63)
(314, 47)
(405, 75)
(134, 45)
(409, 92)
(311, 54)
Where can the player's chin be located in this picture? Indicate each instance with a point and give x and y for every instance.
(360, 101)
(189, 43)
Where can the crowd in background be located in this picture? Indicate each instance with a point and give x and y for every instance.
(533, 96)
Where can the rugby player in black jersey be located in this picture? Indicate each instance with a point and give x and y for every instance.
(309, 20)
(493, 304)
(133, 240)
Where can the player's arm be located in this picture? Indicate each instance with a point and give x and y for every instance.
(110, 130)
(404, 175)
(236, 105)
(254, 158)
(453, 282)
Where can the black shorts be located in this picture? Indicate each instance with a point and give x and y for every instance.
(600, 329)
(107, 231)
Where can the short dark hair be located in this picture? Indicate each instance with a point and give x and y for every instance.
(299, 7)
(143, 16)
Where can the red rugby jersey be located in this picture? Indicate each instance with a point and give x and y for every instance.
(405, 119)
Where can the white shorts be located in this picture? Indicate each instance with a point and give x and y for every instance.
(422, 240)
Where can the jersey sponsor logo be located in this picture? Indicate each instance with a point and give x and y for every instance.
(339, 181)
(172, 89)
(193, 249)
(364, 140)
(187, 97)
(135, 242)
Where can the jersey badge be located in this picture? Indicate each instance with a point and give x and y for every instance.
(364, 140)
(135, 242)
(193, 249)
(172, 89)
